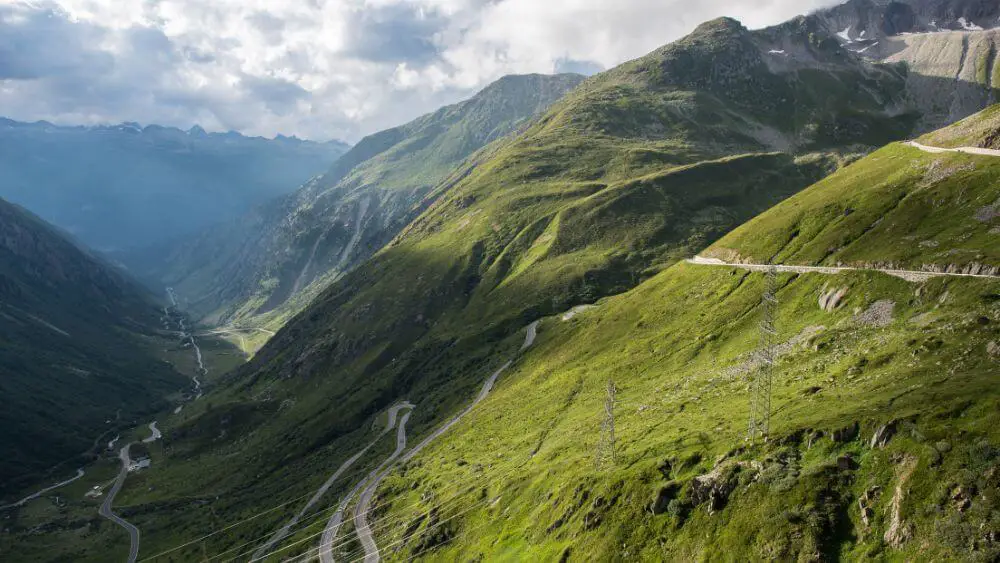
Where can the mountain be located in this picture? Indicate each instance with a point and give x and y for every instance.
(883, 442)
(948, 48)
(471, 329)
(258, 262)
(76, 350)
(118, 187)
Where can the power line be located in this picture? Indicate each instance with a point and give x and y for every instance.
(760, 386)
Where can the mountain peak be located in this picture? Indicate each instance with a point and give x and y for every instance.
(723, 24)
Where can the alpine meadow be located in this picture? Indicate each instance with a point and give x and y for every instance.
(737, 299)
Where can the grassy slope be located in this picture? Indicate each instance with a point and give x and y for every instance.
(898, 206)
(980, 130)
(245, 272)
(516, 480)
(635, 169)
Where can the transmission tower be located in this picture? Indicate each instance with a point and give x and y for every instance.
(760, 384)
(606, 445)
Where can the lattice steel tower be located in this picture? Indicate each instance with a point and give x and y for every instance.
(760, 384)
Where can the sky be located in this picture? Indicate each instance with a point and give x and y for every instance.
(317, 69)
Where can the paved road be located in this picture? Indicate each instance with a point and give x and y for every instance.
(967, 150)
(283, 532)
(79, 473)
(361, 524)
(365, 500)
(578, 310)
(335, 521)
(154, 434)
(107, 512)
(909, 275)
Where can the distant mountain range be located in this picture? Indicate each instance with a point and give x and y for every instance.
(518, 274)
(602, 195)
(125, 186)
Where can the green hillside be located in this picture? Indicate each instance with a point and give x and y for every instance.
(635, 169)
(597, 200)
(257, 270)
(77, 356)
(898, 207)
(914, 361)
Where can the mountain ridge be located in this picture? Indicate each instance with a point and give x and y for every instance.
(596, 202)
(116, 187)
(338, 219)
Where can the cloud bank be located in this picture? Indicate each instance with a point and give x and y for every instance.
(318, 69)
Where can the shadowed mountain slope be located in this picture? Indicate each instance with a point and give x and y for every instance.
(75, 349)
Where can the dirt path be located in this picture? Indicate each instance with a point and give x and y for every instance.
(284, 531)
(908, 275)
(966, 150)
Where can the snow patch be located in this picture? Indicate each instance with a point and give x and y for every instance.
(846, 34)
(777, 52)
(875, 44)
(968, 26)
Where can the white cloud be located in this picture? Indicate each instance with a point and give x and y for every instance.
(316, 68)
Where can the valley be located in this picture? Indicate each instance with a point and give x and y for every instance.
(535, 324)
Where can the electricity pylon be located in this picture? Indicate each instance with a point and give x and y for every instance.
(606, 445)
(760, 385)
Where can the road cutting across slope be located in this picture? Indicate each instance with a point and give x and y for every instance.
(361, 524)
(977, 151)
(908, 275)
(286, 529)
(107, 512)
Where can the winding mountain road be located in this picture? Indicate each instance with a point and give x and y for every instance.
(79, 473)
(107, 512)
(361, 511)
(908, 275)
(966, 150)
(365, 500)
(283, 532)
(154, 434)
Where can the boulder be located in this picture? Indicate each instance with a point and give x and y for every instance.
(883, 435)
(846, 434)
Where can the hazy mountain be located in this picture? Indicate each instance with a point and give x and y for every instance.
(76, 358)
(127, 186)
(751, 146)
(254, 264)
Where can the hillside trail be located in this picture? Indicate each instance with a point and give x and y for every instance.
(908, 275)
(279, 535)
(966, 150)
(363, 508)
